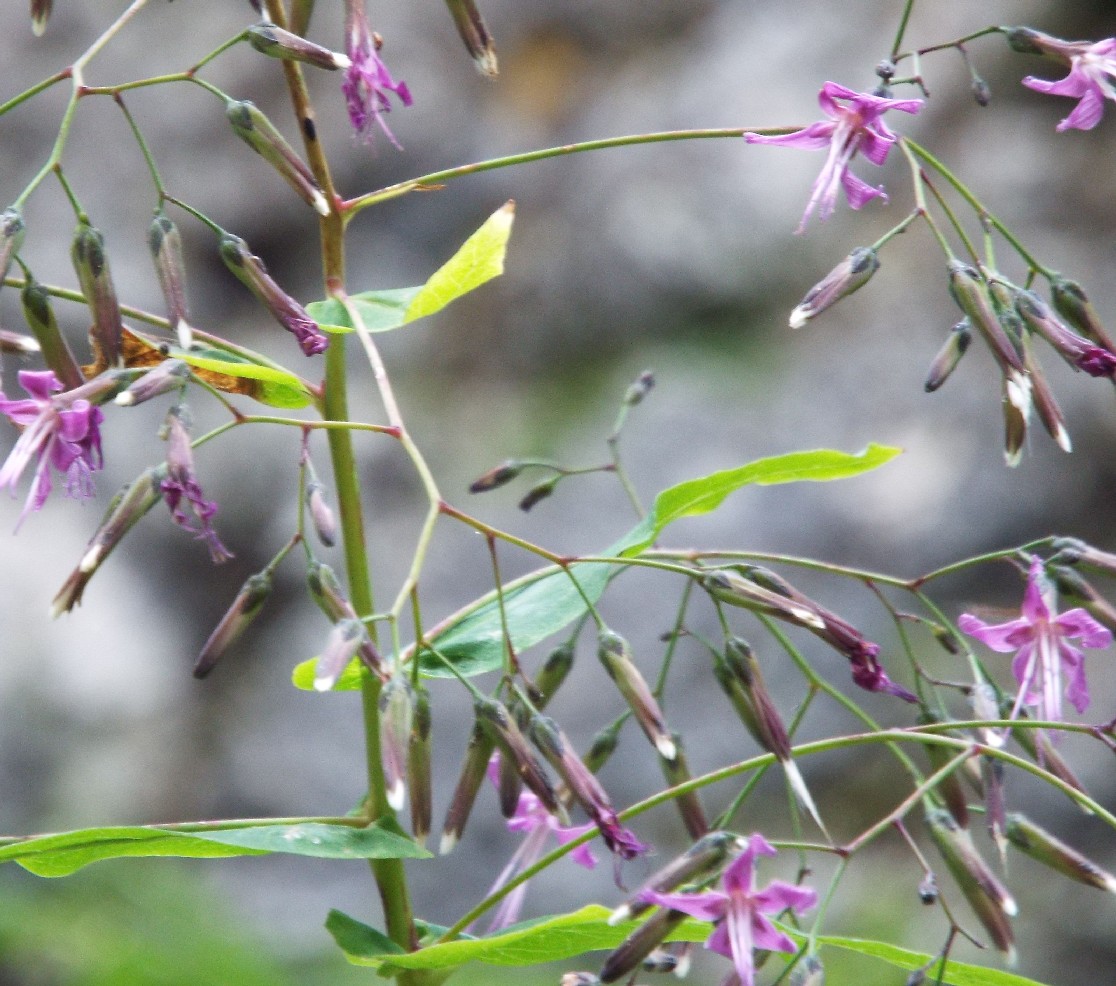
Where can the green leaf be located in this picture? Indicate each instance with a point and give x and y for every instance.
(60, 855)
(701, 496)
(479, 259)
(275, 387)
(380, 311)
(956, 973)
(525, 944)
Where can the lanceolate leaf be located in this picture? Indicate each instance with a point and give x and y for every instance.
(480, 258)
(60, 855)
(274, 387)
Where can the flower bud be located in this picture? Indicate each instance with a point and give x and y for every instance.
(18, 343)
(270, 40)
(706, 858)
(477, 755)
(956, 345)
(995, 804)
(1076, 350)
(1072, 304)
(602, 746)
(501, 726)
(396, 706)
(630, 953)
(252, 273)
(474, 33)
(39, 314)
(970, 293)
(165, 243)
(125, 510)
(91, 265)
(731, 587)
(536, 494)
(169, 375)
(40, 14)
(326, 591)
(509, 785)
(928, 890)
(1071, 585)
(640, 389)
(248, 602)
(502, 474)
(1050, 414)
(259, 133)
(808, 972)
(321, 514)
(675, 772)
(1039, 844)
(341, 646)
(981, 91)
(12, 232)
(991, 903)
(849, 275)
(554, 671)
(1025, 40)
(1072, 551)
(949, 787)
(419, 772)
(617, 659)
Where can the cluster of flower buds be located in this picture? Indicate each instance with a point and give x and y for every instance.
(763, 591)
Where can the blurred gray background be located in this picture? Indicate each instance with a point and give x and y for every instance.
(679, 257)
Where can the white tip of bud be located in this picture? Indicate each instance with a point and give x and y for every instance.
(620, 915)
(1019, 392)
(397, 795)
(324, 684)
(342, 61)
(125, 399)
(91, 559)
(682, 968)
(799, 317)
(802, 793)
(666, 746)
(449, 841)
(807, 616)
(1110, 883)
(320, 203)
(1062, 437)
(1008, 905)
(185, 334)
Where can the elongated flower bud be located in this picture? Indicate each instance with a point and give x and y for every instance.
(536, 494)
(474, 33)
(40, 14)
(1039, 844)
(731, 587)
(496, 477)
(244, 609)
(640, 389)
(419, 773)
(477, 755)
(554, 671)
(995, 803)
(259, 133)
(39, 314)
(1071, 302)
(616, 657)
(169, 375)
(706, 858)
(1050, 414)
(270, 40)
(396, 720)
(991, 903)
(1073, 551)
(675, 772)
(91, 265)
(252, 273)
(341, 647)
(123, 513)
(848, 276)
(945, 362)
(602, 746)
(326, 591)
(12, 232)
(165, 243)
(949, 789)
(495, 717)
(18, 343)
(509, 785)
(630, 953)
(971, 295)
(1073, 348)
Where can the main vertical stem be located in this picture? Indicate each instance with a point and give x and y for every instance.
(391, 880)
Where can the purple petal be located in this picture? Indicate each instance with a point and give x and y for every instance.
(1077, 688)
(1001, 637)
(778, 896)
(1086, 114)
(815, 137)
(707, 906)
(859, 192)
(766, 935)
(1079, 625)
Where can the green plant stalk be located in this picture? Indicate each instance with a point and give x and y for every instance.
(391, 879)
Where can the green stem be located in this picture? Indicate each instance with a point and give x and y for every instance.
(34, 90)
(904, 19)
(352, 206)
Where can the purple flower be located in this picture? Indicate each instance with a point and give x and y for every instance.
(1090, 80)
(63, 432)
(531, 817)
(181, 489)
(741, 911)
(367, 79)
(1040, 639)
(849, 129)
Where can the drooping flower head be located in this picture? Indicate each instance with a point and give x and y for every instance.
(1040, 638)
(62, 432)
(367, 79)
(855, 125)
(741, 911)
(181, 490)
(1091, 75)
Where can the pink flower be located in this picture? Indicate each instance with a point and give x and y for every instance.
(1040, 639)
(367, 80)
(850, 128)
(63, 432)
(741, 911)
(1090, 80)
